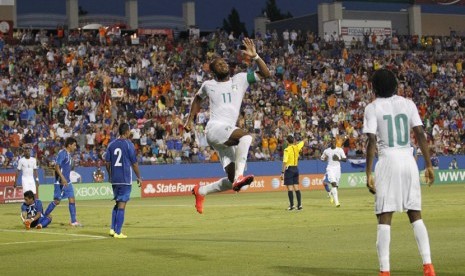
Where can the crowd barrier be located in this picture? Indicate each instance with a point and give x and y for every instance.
(173, 180)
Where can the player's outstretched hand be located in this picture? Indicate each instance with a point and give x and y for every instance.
(429, 176)
(371, 184)
(249, 47)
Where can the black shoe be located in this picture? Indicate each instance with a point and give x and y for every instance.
(290, 208)
(300, 208)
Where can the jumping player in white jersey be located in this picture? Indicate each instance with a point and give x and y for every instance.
(225, 95)
(334, 155)
(29, 177)
(396, 182)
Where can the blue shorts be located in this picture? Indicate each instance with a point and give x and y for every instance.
(326, 180)
(61, 191)
(121, 193)
(44, 221)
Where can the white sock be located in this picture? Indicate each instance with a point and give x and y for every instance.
(241, 154)
(334, 193)
(383, 240)
(220, 185)
(421, 235)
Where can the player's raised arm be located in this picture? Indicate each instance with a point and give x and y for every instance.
(252, 53)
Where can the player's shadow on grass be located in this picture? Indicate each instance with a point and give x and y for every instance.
(320, 271)
(171, 254)
(223, 240)
(323, 271)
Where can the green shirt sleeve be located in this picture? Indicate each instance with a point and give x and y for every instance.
(251, 77)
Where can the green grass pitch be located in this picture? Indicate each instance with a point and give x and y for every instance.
(238, 234)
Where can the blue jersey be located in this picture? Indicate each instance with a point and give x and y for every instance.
(121, 154)
(33, 209)
(65, 162)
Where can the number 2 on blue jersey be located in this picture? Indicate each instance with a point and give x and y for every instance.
(118, 154)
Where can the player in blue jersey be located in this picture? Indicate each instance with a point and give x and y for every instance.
(120, 157)
(63, 185)
(32, 212)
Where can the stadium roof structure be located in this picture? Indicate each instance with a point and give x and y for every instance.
(52, 21)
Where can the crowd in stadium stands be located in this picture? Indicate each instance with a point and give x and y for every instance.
(50, 90)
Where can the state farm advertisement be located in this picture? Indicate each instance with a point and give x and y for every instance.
(8, 193)
(176, 187)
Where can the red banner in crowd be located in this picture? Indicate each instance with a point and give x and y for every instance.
(7, 179)
(9, 194)
(441, 2)
(176, 187)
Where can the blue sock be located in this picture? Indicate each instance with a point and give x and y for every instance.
(119, 221)
(327, 188)
(72, 212)
(113, 217)
(50, 208)
(45, 221)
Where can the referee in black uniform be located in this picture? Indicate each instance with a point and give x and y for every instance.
(290, 171)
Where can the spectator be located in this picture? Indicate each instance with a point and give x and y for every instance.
(453, 164)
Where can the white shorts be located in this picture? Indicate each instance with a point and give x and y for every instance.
(217, 135)
(397, 182)
(28, 184)
(333, 176)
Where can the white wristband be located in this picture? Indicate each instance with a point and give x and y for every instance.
(256, 57)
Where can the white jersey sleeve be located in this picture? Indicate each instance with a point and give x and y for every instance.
(415, 119)
(369, 120)
(20, 164)
(202, 93)
(324, 155)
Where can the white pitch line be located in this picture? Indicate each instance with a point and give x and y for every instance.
(10, 243)
(86, 237)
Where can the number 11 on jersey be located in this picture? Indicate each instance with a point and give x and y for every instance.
(225, 98)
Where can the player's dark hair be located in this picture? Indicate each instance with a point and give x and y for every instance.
(70, 141)
(29, 194)
(219, 76)
(123, 128)
(384, 83)
(290, 139)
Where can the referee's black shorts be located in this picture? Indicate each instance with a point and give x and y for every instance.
(291, 175)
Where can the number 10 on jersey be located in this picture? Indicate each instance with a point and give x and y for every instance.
(401, 125)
